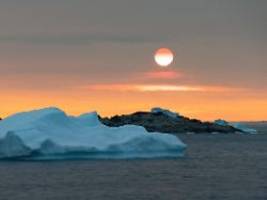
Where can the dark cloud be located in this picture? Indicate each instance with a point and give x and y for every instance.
(78, 39)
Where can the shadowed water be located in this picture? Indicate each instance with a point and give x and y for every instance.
(215, 167)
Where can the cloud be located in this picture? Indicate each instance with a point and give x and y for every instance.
(78, 39)
(159, 88)
(163, 75)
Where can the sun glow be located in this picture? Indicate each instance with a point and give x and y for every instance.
(160, 88)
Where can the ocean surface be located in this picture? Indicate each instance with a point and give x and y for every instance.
(215, 167)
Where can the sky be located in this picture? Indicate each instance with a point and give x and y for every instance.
(98, 55)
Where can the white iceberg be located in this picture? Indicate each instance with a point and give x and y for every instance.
(244, 128)
(165, 112)
(221, 122)
(236, 125)
(51, 134)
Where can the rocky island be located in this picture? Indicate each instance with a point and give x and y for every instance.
(166, 121)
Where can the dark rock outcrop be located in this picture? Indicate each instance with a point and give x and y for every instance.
(162, 122)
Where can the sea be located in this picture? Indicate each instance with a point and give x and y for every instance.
(215, 167)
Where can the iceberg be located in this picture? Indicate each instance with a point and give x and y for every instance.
(165, 112)
(50, 133)
(221, 122)
(244, 128)
(236, 125)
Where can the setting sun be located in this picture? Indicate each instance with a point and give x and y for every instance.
(163, 57)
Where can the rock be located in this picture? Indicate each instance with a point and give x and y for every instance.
(165, 121)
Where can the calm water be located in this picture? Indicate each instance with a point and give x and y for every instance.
(215, 167)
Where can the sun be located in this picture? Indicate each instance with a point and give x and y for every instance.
(163, 57)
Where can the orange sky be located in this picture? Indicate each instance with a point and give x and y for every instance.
(210, 105)
(159, 87)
